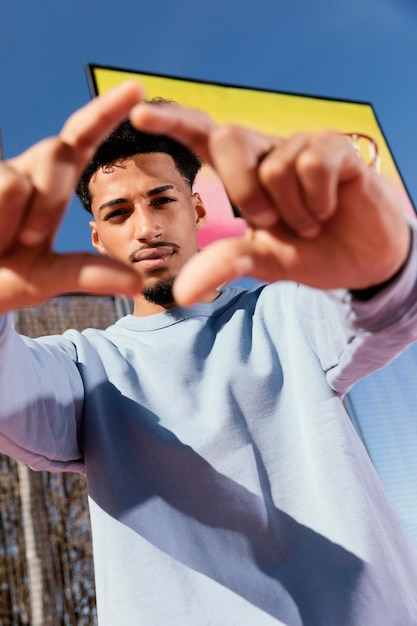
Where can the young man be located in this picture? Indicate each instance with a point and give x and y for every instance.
(226, 482)
(139, 189)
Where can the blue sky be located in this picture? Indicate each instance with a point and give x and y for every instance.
(361, 50)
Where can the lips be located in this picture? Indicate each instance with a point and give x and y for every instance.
(153, 258)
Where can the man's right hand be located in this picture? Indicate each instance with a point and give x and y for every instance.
(35, 189)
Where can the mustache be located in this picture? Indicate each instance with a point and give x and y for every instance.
(158, 244)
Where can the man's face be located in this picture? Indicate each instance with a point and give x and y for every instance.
(145, 215)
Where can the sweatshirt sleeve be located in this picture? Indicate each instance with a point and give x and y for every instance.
(41, 401)
(353, 338)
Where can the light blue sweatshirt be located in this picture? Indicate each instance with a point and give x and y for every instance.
(227, 485)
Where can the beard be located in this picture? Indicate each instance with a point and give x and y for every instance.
(161, 293)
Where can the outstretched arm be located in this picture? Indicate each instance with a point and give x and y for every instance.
(316, 213)
(35, 189)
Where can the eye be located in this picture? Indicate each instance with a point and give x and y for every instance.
(162, 200)
(115, 214)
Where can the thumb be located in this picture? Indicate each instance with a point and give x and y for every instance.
(90, 273)
(220, 262)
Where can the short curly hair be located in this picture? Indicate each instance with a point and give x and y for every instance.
(126, 141)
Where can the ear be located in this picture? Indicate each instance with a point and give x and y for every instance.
(95, 238)
(200, 211)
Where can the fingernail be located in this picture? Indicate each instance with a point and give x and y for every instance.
(264, 219)
(31, 237)
(310, 231)
(244, 265)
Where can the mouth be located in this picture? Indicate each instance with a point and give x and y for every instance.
(153, 258)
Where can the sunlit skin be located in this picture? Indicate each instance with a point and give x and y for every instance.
(277, 183)
(146, 216)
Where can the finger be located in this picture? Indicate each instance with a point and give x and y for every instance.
(15, 193)
(87, 127)
(279, 175)
(50, 169)
(327, 161)
(55, 165)
(191, 127)
(236, 154)
(26, 282)
(219, 263)
(97, 275)
(90, 273)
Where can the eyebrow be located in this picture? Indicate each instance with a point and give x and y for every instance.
(110, 203)
(151, 192)
(156, 190)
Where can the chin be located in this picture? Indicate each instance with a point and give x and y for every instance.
(160, 292)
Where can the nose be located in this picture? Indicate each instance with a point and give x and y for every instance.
(147, 224)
